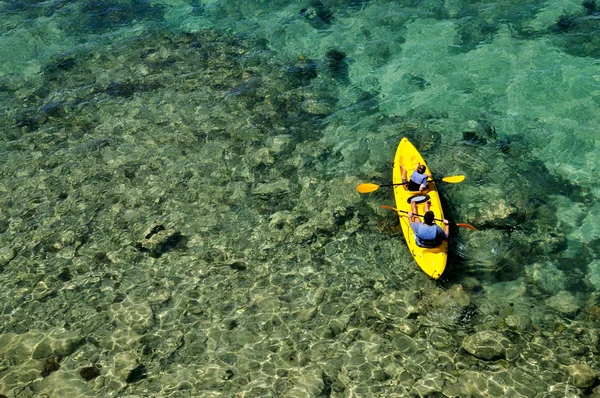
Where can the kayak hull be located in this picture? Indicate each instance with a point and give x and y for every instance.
(431, 261)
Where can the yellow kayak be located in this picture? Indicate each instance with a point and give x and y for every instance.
(431, 261)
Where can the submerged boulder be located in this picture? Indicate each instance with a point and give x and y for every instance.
(564, 303)
(486, 345)
(159, 240)
(581, 375)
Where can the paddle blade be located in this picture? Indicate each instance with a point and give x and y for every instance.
(367, 187)
(466, 226)
(453, 179)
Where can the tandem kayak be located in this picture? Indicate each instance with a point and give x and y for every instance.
(431, 260)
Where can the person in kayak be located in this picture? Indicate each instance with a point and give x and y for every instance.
(427, 233)
(418, 179)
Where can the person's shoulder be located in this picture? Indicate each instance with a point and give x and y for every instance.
(441, 232)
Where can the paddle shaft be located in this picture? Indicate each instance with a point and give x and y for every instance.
(405, 183)
(370, 187)
(469, 226)
(420, 215)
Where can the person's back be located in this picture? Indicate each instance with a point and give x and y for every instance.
(427, 233)
(418, 179)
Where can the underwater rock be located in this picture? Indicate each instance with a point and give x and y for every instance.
(19, 348)
(472, 137)
(136, 374)
(272, 190)
(6, 255)
(565, 22)
(307, 383)
(471, 284)
(479, 132)
(320, 107)
(128, 89)
(42, 351)
(90, 372)
(306, 315)
(65, 275)
(591, 6)
(427, 139)
(487, 345)
(428, 386)
(467, 314)
(42, 292)
(60, 64)
(53, 109)
(30, 121)
(159, 296)
(457, 295)
(101, 16)
(4, 224)
(63, 383)
(302, 72)
(546, 277)
(497, 213)
(124, 364)
(441, 339)
(159, 240)
(341, 215)
(467, 384)
(281, 144)
(237, 265)
(473, 31)
(565, 303)
(447, 307)
(64, 342)
(367, 101)
(513, 146)
(416, 80)
(337, 64)
(582, 27)
(453, 298)
(404, 344)
(321, 224)
(286, 221)
(131, 315)
(263, 158)
(581, 375)
(51, 365)
(318, 15)
(517, 322)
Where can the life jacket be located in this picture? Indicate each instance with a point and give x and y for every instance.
(427, 243)
(416, 180)
(431, 237)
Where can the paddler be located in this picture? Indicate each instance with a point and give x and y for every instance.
(418, 179)
(427, 233)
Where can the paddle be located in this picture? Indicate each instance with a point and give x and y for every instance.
(370, 187)
(436, 219)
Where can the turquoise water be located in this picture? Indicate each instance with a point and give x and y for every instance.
(179, 214)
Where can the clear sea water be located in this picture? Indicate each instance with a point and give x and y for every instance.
(179, 214)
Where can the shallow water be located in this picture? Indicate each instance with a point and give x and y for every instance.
(179, 214)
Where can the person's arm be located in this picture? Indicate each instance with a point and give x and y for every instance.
(424, 185)
(412, 212)
(447, 228)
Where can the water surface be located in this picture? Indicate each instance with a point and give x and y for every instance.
(179, 215)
